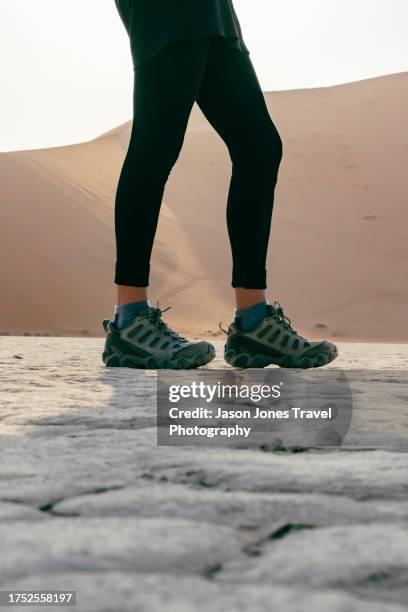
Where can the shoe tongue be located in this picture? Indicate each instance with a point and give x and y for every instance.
(145, 310)
(270, 310)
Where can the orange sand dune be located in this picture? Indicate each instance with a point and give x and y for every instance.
(338, 254)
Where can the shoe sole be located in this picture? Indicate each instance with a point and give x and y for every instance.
(117, 360)
(243, 359)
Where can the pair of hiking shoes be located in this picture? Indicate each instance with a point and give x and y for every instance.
(149, 343)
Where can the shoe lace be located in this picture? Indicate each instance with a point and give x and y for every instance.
(155, 318)
(221, 328)
(280, 316)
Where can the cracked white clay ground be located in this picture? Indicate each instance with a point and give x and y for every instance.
(90, 503)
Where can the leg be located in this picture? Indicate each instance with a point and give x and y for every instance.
(165, 89)
(232, 100)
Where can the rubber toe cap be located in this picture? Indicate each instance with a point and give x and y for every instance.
(195, 348)
(324, 347)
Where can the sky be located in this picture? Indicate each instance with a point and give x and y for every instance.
(66, 70)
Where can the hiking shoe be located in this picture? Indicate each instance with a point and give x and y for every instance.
(149, 343)
(274, 341)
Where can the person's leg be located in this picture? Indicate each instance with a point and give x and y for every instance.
(232, 100)
(165, 89)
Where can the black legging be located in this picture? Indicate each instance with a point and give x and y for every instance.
(224, 84)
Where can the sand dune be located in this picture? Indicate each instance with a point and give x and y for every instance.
(338, 253)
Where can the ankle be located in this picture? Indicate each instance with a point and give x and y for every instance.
(127, 294)
(244, 298)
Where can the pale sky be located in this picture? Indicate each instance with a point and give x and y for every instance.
(66, 72)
